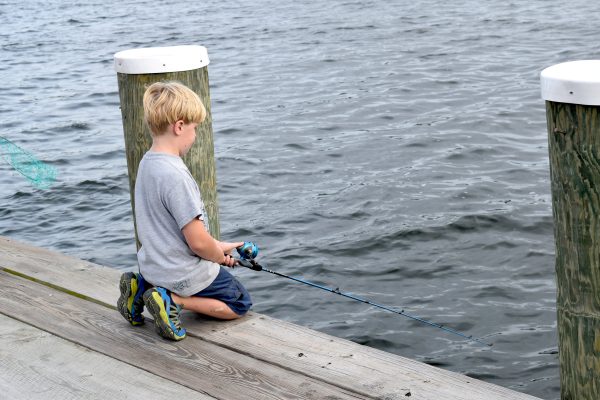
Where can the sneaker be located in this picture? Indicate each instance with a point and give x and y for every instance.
(130, 303)
(165, 313)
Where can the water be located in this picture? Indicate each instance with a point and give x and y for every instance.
(396, 150)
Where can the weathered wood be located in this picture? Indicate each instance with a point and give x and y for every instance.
(38, 365)
(194, 363)
(346, 363)
(574, 147)
(306, 352)
(200, 159)
(88, 279)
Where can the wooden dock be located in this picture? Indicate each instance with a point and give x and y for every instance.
(61, 337)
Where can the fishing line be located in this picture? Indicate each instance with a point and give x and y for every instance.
(249, 250)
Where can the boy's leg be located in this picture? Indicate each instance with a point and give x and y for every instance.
(225, 298)
(130, 304)
(203, 305)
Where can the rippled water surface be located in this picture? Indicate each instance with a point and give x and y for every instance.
(396, 150)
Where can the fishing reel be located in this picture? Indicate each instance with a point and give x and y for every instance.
(248, 252)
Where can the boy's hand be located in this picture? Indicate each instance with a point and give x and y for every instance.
(227, 247)
(229, 261)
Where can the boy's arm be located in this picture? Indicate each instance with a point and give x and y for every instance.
(202, 244)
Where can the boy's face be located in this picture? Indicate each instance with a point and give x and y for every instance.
(187, 136)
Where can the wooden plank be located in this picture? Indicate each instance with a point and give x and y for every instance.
(88, 279)
(346, 364)
(38, 365)
(194, 363)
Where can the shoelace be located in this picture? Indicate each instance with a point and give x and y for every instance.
(174, 310)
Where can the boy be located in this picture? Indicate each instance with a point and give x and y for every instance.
(177, 254)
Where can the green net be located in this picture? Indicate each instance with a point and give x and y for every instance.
(40, 174)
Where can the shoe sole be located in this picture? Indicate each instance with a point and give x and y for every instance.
(126, 299)
(156, 307)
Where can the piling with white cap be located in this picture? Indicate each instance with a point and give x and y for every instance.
(139, 68)
(572, 94)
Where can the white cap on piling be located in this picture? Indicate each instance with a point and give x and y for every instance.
(157, 60)
(574, 82)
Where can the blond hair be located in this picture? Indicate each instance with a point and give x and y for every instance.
(168, 102)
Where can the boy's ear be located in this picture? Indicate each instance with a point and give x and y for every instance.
(178, 127)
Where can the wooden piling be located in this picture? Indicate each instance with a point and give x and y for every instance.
(139, 68)
(572, 94)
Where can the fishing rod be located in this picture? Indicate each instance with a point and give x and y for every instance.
(248, 251)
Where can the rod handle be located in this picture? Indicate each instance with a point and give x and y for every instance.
(249, 264)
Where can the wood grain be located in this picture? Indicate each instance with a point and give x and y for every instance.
(193, 363)
(574, 147)
(71, 273)
(38, 365)
(346, 363)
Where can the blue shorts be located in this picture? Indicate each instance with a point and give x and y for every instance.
(230, 291)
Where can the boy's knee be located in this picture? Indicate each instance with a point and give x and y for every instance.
(220, 309)
(225, 312)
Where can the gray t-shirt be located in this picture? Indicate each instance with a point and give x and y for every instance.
(166, 199)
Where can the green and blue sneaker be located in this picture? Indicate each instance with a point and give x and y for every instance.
(165, 313)
(130, 303)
